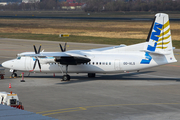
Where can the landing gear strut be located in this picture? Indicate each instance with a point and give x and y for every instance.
(66, 77)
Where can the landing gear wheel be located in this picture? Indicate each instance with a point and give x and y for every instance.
(13, 75)
(91, 75)
(66, 78)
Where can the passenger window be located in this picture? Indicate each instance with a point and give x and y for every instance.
(109, 63)
(106, 63)
(103, 63)
(96, 63)
(93, 63)
(99, 63)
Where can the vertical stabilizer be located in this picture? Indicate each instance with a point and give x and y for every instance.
(160, 34)
(159, 41)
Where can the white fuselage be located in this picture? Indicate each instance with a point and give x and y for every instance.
(100, 63)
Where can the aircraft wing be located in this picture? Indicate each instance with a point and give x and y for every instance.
(65, 58)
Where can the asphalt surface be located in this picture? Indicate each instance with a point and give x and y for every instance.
(152, 94)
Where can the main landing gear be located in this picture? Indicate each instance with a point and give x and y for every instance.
(66, 77)
(91, 75)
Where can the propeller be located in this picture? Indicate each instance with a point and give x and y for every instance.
(37, 60)
(63, 50)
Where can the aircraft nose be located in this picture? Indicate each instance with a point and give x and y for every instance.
(6, 64)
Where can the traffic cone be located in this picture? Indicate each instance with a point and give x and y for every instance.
(9, 85)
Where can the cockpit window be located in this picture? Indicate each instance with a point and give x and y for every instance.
(18, 58)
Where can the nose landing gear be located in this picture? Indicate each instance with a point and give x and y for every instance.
(13, 75)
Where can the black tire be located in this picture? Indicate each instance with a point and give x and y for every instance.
(91, 75)
(66, 77)
(13, 75)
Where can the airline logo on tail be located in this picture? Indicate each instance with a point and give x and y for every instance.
(155, 36)
(160, 37)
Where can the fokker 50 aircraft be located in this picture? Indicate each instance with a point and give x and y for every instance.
(157, 50)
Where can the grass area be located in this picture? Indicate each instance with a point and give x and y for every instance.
(95, 28)
(72, 38)
(81, 39)
(89, 31)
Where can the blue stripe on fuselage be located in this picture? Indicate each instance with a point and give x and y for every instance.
(147, 60)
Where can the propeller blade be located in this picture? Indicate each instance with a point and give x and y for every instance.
(39, 49)
(35, 64)
(61, 48)
(65, 47)
(35, 49)
(39, 65)
(36, 52)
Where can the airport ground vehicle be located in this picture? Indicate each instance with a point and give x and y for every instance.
(10, 99)
(2, 73)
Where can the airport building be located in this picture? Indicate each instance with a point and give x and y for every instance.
(5, 2)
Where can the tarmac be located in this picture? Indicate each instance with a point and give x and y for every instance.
(151, 94)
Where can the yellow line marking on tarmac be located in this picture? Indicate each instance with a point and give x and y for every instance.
(62, 111)
(58, 111)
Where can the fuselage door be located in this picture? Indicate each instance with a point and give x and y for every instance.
(117, 65)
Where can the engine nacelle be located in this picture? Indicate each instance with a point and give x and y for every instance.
(46, 60)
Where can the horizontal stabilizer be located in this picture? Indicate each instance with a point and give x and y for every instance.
(159, 53)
